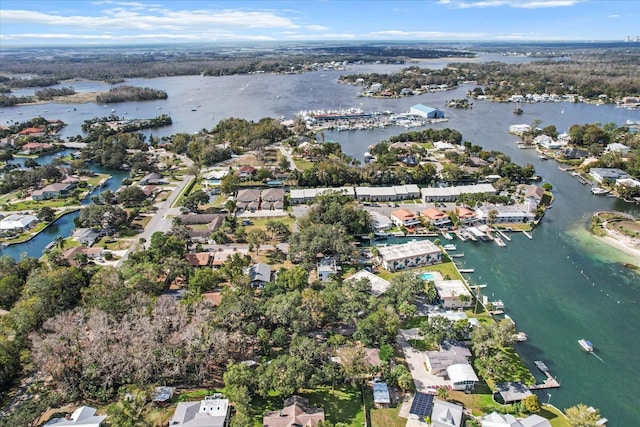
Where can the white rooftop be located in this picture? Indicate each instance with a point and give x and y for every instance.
(408, 250)
(378, 284)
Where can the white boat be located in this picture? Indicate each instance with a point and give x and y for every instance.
(586, 345)
(598, 191)
(449, 247)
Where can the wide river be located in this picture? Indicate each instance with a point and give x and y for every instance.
(560, 286)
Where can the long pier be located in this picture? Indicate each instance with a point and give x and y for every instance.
(550, 382)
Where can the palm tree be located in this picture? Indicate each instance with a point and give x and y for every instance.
(442, 393)
(60, 242)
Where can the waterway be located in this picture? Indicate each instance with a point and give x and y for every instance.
(559, 287)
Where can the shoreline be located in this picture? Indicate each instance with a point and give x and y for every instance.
(620, 245)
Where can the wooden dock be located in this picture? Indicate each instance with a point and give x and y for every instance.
(550, 382)
(526, 233)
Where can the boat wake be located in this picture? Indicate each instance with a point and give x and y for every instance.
(599, 358)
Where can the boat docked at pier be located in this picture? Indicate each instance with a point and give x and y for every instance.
(586, 345)
(449, 247)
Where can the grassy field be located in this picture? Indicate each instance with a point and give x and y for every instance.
(387, 417)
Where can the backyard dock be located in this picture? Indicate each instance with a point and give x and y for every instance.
(526, 233)
(550, 382)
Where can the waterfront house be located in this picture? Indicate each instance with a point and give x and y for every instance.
(462, 376)
(465, 215)
(53, 191)
(426, 112)
(603, 175)
(512, 392)
(296, 412)
(84, 416)
(259, 274)
(408, 255)
(629, 182)
(35, 147)
(453, 294)
(509, 214)
(451, 352)
(531, 193)
(547, 142)
(33, 131)
(86, 236)
(378, 284)
(381, 397)
(18, 222)
(496, 419)
(519, 129)
(213, 411)
(380, 222)
(405, 218)
(446, 414)
(436, 217)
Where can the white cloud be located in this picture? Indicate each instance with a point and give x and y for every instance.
(120, 18)
(521, 4)
(326, 36)
(614, 16)
(316, 27)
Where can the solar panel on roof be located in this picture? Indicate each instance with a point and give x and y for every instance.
(422, 404)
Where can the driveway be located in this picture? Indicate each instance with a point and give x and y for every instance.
(425, 382)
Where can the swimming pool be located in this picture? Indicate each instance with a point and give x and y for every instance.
(427, 276)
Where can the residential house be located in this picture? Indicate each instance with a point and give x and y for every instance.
(198, 259)
(629, 182)
(153, 178)
(33, 131)
(496, 419)
(86, 236)
(84, 416)
(608, 174)
(213, 411)
(462, 376)
(571, 153)
(381, 397)
(272, 199)
(222, 255)
(380, 222)
(450, 353)
(306, 195)
(436, 217)
(446, 414)
(35, 147)
(465, 215)
(453, 294)
(52, 191)
(91, 254)
(378, 284)
(547, 142)
(426, 112)
(296, 412)
(616, 147)
(327, 267)
(248, 199)
(405, 218)
(512, 392)
(519, 129)
(18, 222)
(532, 194)
(259, 274)
(408, 255)
(246, 172)
(500, 214)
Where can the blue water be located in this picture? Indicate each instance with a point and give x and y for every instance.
(427, 276)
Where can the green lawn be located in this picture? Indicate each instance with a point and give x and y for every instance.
(387, 417)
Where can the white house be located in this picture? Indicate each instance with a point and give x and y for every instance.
(519, 129)
(450, 293)
(18, 222)
(213, 411)
(405, 218)
(496, 419)
(378, 284)
(547, 142)
(462, 376)
(446, 414)
(84, 416)
(616, 147)
(608, 174)
(408, 255)
(518, 213)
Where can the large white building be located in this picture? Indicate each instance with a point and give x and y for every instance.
(507, 214)
(18, 222)
(426, 112)
(451, 194)
(408, 255)
(453, 294)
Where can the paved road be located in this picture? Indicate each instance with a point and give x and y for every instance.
(287, 153)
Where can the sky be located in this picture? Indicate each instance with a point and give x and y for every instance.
(113, 22)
